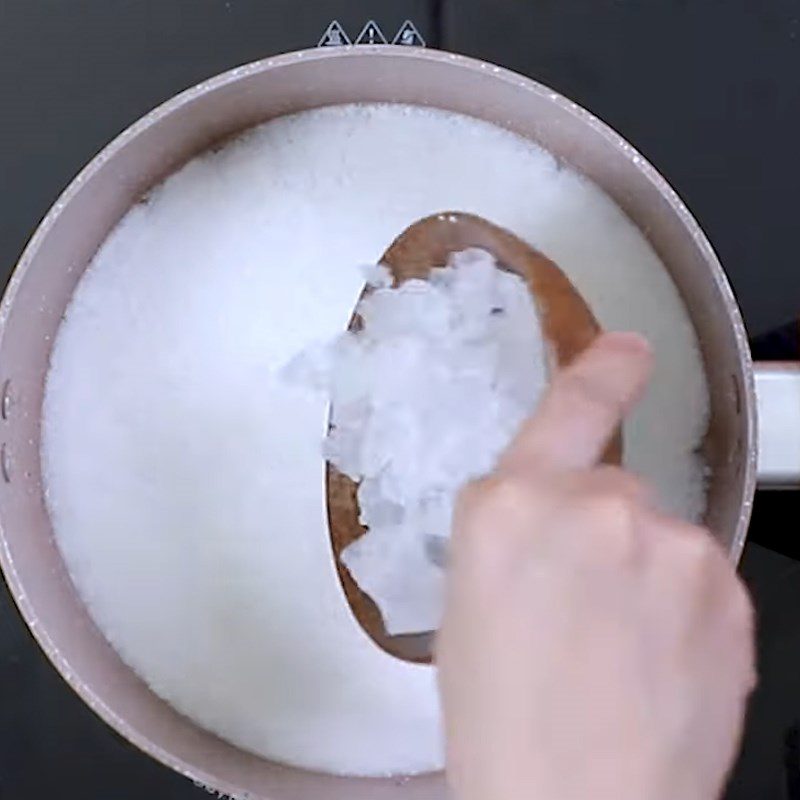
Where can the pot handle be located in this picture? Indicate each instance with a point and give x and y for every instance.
(778, 404)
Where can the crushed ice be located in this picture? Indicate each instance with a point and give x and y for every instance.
(424, 398)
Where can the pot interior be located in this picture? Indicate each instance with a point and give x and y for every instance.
(155, 146)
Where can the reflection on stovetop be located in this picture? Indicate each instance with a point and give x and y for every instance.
(769, 765)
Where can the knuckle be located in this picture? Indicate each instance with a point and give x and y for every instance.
(708, 571)
(700, 553)
(611, 517)
(612, 508)
(612, 472)
(620, 480)
(633, 485)
(609, 475)
(507, 495)
(483, 504)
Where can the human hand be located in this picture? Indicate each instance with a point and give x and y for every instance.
(591, 647)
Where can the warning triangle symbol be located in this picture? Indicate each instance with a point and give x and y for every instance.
(371, 34)
(408, 35)
(334, 36)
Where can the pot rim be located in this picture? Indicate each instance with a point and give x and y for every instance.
(153, 117)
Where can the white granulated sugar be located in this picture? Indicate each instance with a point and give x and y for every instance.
(425, 396)
(184, 477)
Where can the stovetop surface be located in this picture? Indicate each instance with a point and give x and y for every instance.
(710, 92)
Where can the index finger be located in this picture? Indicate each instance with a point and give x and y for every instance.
(584, 405)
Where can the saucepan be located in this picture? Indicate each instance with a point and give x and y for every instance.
(77, 224)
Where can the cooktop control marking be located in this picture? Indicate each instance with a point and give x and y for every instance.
(408, 35)
(371, 34)
(334, 36)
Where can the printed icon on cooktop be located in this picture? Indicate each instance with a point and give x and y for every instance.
(408, 35)
(371, 34)
(334, 36)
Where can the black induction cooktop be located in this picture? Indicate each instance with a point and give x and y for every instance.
(708, 90)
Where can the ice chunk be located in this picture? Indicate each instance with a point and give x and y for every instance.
(424, 398)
